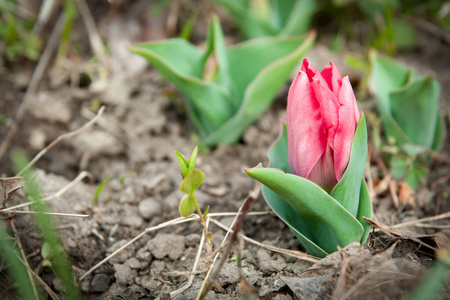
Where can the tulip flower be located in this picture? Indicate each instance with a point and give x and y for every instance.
(315, 181)
(322, 116)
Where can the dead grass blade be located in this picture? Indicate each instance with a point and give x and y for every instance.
(63, 137)
(58, 194)
(293, 253)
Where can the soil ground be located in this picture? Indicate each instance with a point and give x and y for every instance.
(144, 123)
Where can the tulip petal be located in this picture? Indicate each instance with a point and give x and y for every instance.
(343, 141)
(313, 73)
(329, 109)
(322, 173)
(306, 139)
(347, 98)
(333, 77)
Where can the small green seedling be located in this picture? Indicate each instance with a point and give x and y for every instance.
(192, 180)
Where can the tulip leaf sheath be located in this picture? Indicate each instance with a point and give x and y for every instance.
(320, 221)
(226, 89)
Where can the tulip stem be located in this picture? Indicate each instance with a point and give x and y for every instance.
(208, 235)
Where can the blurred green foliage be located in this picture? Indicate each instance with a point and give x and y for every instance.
(409, 107)
(256, 18)
(16, 36)
(227, 88)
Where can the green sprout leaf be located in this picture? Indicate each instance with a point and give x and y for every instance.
(187, 205)
(192, 160)
(184, 166)
(100, 188)
(46, 250)
(192, 181)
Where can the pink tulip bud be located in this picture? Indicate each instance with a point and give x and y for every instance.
(322, 116)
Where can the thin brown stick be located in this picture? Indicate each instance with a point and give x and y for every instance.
(24, 257)
(63, 137)
(49, 291)
(427, 219)
(34, 82)
(58, 194)
(147, 230)
(94, 36)
(339, 289)
(194, 267)
(211, 278)
(49, 213)
(293, 253)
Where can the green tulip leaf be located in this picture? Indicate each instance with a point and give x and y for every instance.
(415, 107)
(347, 190)
(183, 64)
(221, 103)
(267, 81)
(187, 205)
(300, 17)
(407, 102)
(192, 181)
(250, 23)
(318, 217)
(364, 210)
(416, 175)
(271, 18)
(278, 156)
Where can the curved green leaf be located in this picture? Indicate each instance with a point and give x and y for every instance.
(209, 103)
(192, 181)
(250, 24)
(263, 88)
(187, 205)
(364, 210)
(347, 190)
(322, 219)
(414, 107)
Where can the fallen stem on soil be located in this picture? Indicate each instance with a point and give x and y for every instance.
(194, 268)
(62, 137)
(58, 194)
(160, 226)
(427, 219)
(48, 213)
(212, 275)
(293, 253)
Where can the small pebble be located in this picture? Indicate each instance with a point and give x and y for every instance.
(100, 283)
(149, 208)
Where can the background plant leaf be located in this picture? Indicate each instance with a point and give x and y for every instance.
(407, 102)
(267, 81)
(209, 104)
(415, 107)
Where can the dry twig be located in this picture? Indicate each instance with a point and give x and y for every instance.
(63, 137)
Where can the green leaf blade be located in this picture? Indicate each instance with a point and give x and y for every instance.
(347, 190)
(187, 205)
(324, 221)
(192, 181)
